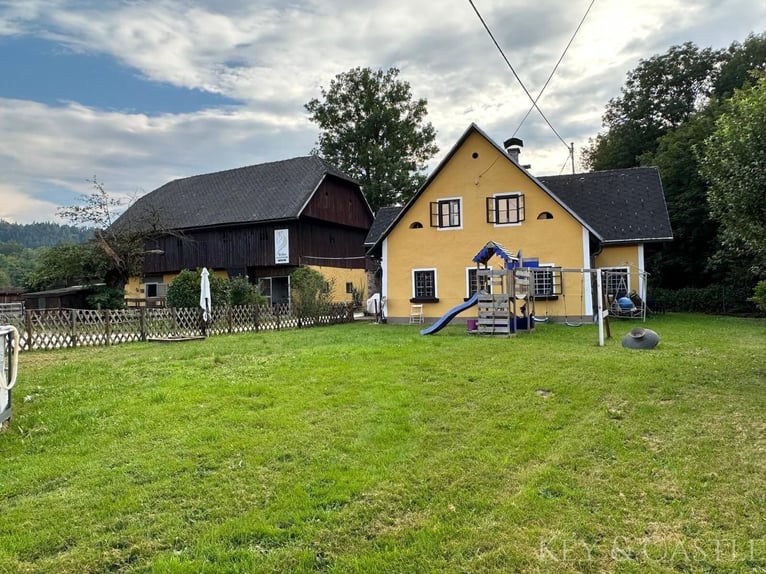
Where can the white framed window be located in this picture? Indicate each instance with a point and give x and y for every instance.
(424, 284)
(505, 209)
(547, 281)
(447, 213)
(472, 283)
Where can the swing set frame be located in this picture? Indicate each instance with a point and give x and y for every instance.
(599, 304)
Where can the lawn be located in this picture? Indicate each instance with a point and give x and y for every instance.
(368, 448)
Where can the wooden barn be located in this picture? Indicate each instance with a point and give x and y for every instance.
(260, 221)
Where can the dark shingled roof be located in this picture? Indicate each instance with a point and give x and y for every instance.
(269, 191)
(383, 219)
(622, 205)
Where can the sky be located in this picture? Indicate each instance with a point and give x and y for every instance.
(136, 93)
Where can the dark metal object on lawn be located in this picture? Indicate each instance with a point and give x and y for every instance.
(640, 338)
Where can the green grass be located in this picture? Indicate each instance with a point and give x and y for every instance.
(368, 448)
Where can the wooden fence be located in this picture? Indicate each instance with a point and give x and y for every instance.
(60, 328)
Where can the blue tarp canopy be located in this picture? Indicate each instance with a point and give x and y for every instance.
(491, 249)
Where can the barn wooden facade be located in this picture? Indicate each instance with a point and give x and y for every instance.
(260, 221)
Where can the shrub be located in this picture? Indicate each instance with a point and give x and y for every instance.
(714, 299)
(107, 298)
(759, 296)
(183, 291)
(312, 293)
(242, 292)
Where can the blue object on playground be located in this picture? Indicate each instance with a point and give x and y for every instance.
(625, 303)
(449, 315)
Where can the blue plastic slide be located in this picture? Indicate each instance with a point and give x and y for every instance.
(449, 315)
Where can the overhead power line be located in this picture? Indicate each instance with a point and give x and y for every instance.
(556, 67)
(515, 75)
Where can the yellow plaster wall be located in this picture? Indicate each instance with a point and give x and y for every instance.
(134, 288)
(624, 256)
(450, 252)
(618, 256)
(341, 276)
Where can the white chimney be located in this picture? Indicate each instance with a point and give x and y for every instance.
(513, 148)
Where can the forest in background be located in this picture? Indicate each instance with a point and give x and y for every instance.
(21, 244)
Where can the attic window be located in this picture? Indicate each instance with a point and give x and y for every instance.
(545, 215)
(505, 209)
(416, 225)
(475, 155)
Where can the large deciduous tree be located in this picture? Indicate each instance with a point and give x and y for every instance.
(372, 129)
(667, 108)
(659, 94)
(733, 159)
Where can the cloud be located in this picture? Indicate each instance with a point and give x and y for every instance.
(273, 56)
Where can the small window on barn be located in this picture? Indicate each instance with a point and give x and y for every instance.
(545, 215)
(416, 225)
(349, 287)
(475, 155)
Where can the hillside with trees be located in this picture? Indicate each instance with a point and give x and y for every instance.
(22, 245)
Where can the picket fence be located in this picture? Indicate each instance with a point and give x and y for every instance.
(61, 328)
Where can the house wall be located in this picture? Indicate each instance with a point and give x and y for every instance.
(630, 256)
(322, 243)
(339, 277)
(339, 202)
(476, 170)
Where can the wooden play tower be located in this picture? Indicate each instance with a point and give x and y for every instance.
(505, 296)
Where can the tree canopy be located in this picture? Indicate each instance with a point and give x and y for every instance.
(733, 159)
(373, 129)
(667, 109)
(660, 94)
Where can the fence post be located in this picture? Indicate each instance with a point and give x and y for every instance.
(277, 316)
(108, 327)
(175, 320)
(230, 319)
(30, 335)
(73, 326)
(142, 322)
(256, 317)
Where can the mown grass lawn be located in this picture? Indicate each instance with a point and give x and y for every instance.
(368, 448)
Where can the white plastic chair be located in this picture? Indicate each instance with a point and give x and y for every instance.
(416, 313)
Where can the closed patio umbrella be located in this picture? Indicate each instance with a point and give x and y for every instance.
(205, 301)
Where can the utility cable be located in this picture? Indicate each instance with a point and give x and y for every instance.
(556, 67)
(531, 99)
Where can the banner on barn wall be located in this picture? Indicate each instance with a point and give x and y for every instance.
(281, 246)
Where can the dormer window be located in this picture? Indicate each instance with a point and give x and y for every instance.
(505, 209)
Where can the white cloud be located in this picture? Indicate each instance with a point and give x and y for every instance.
(274, 56)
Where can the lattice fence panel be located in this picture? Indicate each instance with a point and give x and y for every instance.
(89, 327)
(51, 329)
(125, 326)
(59, 328)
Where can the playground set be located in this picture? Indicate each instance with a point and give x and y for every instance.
(506, 303)
(506, 297)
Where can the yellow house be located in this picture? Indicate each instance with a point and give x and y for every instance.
(557, 225)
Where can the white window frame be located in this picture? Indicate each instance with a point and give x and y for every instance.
(436, 282)
(439, 202)
(552, 268)
(468, 270)
(520, 212)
